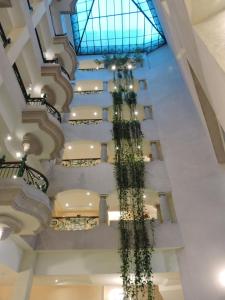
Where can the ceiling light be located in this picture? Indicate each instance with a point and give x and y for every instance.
(74, 114)
(139, 147)
(92, 147)
(30, 87)
(131, 87)
(14, 176)
(97, 68)
(79, 88)
(129, 66)
(144, 196)
(96, 88)
(9, 138)
(115, 87)
(117, 148)
(18, 154)
(56, 281)
(116, 113)
(67, 204)
(90, 204)
(88, 193)
(113, 68)
(222, 278)
(95, 113)
(136, 113)
(69, 147)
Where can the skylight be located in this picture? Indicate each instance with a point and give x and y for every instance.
(116, 26)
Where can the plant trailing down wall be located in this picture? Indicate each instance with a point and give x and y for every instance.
(136, 249)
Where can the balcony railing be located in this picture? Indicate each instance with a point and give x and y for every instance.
(85, 122)
(36, 101)
(49, 61)
(77, 163)
(6, 41)
(29, 5)
(65, 72)
(19, 169)
(74, 223)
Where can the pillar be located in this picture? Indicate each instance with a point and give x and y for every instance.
(103, 211)
(23, 285)
(164, 207)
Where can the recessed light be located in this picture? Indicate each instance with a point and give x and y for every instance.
(95, 113)
(69, 147)
(92, 147)
(56, 281)
(74, 114)
(9, 138)
(67, 204)
(139, 147)
(115, 87)
(144, 196)
(14, 176)
(222, 278)
(113, 68)
(88, 193)
(129, 67)
(117, 148)
(96, 88)
(131, 86)
(79, 88)
(97, 68)
(90, 204)
(18, 154)
(116, 113)
(136, 113)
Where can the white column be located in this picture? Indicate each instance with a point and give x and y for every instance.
(23, 285)
(164, 207)
(103, 211)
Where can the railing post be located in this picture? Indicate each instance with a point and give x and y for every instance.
(103, 211)
(22, 166)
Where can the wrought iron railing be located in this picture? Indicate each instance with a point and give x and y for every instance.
(85, 122)
(19, 169)
(65, 72)
(89, 92)
(4, 38)
(77, 163)
(45, 60)
(29, 5)
(42, 101)
(74, 223)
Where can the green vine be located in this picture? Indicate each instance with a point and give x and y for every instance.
(136, 249)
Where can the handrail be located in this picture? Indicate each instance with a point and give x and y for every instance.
(29, 5)
(74, 223)
(19, 169)
(36, 101)
(49, 61)
(65, 72)
(43, 102)
(6, 41)
(80, 162)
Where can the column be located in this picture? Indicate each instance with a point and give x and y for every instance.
(23, 285)
(103, 211)
(164, 208)
(104, 154)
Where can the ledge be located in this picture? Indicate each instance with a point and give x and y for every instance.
(48, 124)
(54, 70)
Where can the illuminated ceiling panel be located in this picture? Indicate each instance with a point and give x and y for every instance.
(116, 26)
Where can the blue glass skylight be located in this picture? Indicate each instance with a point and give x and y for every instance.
(116, 26)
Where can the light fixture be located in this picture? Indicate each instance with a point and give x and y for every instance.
(90, 204)
(88, 193)
(18, 154)
(144, 196)
(131, 87)
(116, 113)
(96, 88)
(136, 113)
(95, 113)
(129, 67)
(117, 148)
(115, 87)
(56, 281)
(97, 68)
(14, 176)
(79, 88)
(222, 278)
(9, 138)
(113, 68)
(30, 87)
(69, 147)
(92, 147)
(139, 147)
(67, 204)
(74, 114)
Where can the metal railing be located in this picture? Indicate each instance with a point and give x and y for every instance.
(65, 72)
(19, 169)
(85, 121)
(77, 163)
(6, 41)
(74, 223)
(42, 101)
(29, 5)
(49, 61)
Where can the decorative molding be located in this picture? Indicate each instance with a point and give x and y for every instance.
(63, 39)
(47, 124)
(54, 70)
(34, 143)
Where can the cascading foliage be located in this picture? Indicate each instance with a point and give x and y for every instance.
(136, 249)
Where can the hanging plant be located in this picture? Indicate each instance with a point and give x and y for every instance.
(136, 249)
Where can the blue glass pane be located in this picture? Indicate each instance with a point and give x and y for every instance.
(110, 26)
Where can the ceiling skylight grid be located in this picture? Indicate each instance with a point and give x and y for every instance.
(116, 26)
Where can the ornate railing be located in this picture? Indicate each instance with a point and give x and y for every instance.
(85, 122)
(65, 72)
(19, 169)
(86, 162)
(42, 101)
(49, 61)
(4, 38)
(89, 92)
(74, 223)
